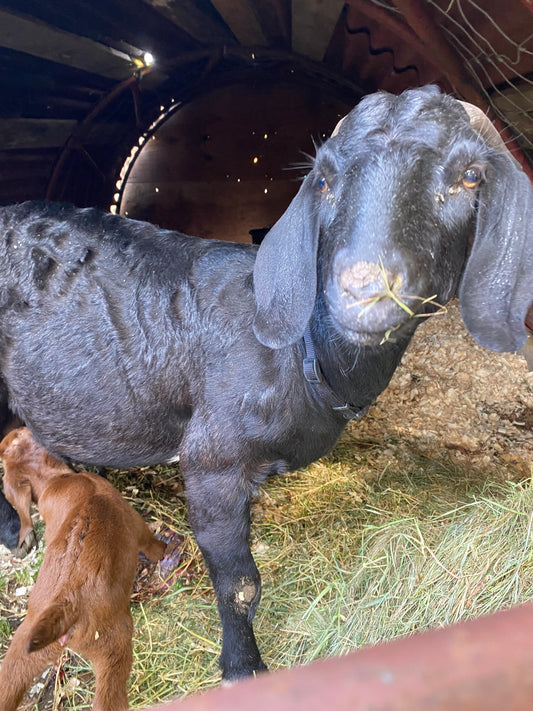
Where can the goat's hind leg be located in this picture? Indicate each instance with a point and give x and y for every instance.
(149, 545)
(20, 667)
(110, 654)
(219, 514)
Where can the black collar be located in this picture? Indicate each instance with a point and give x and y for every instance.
(314, 375)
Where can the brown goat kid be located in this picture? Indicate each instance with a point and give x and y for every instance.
(82, 594)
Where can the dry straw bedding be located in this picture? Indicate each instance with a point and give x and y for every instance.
(421, 516)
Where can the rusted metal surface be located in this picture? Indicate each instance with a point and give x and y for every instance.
(481, 665)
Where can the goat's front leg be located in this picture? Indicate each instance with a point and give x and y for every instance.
(19, 496)
(219, 513)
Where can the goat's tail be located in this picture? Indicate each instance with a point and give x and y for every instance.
(56, 623)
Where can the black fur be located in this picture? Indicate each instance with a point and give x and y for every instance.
(9, 524)
(122, 344)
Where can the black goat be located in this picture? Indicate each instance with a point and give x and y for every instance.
(9, 524)
(122, 344)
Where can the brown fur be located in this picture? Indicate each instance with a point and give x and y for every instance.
(82, 593)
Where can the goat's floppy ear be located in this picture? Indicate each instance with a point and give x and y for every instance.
(285, 272)
(497, 285)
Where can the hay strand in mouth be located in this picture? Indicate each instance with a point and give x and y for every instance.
(388, 292)
(398, 298)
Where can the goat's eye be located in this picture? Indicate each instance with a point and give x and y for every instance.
(472, 177)
(323, 185)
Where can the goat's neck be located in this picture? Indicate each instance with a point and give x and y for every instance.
(357, 374)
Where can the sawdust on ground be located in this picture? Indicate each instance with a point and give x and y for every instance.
(450, 392)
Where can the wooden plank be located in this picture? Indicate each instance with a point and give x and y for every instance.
(23, 133)
(515, 99)
(274, 17)
(123, 24)
(313, 23)
(28, 35)
(24, 174)
(34, 133)
(19, 190)
(241, 19)
(187, 15)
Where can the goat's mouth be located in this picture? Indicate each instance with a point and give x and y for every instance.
(377, 338)
(360, 331)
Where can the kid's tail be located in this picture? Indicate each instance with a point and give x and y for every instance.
(56, 623)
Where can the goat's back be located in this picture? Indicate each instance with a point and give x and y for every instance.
(99, 313)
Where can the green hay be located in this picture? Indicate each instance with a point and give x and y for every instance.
(411, 574)
(368, 544)
(426, 546)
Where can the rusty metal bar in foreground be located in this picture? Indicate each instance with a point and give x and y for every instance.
(481, 665)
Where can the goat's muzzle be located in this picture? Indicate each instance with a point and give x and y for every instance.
(369, 301)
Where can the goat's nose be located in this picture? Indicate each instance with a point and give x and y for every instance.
(367, 282)
(369, 297)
